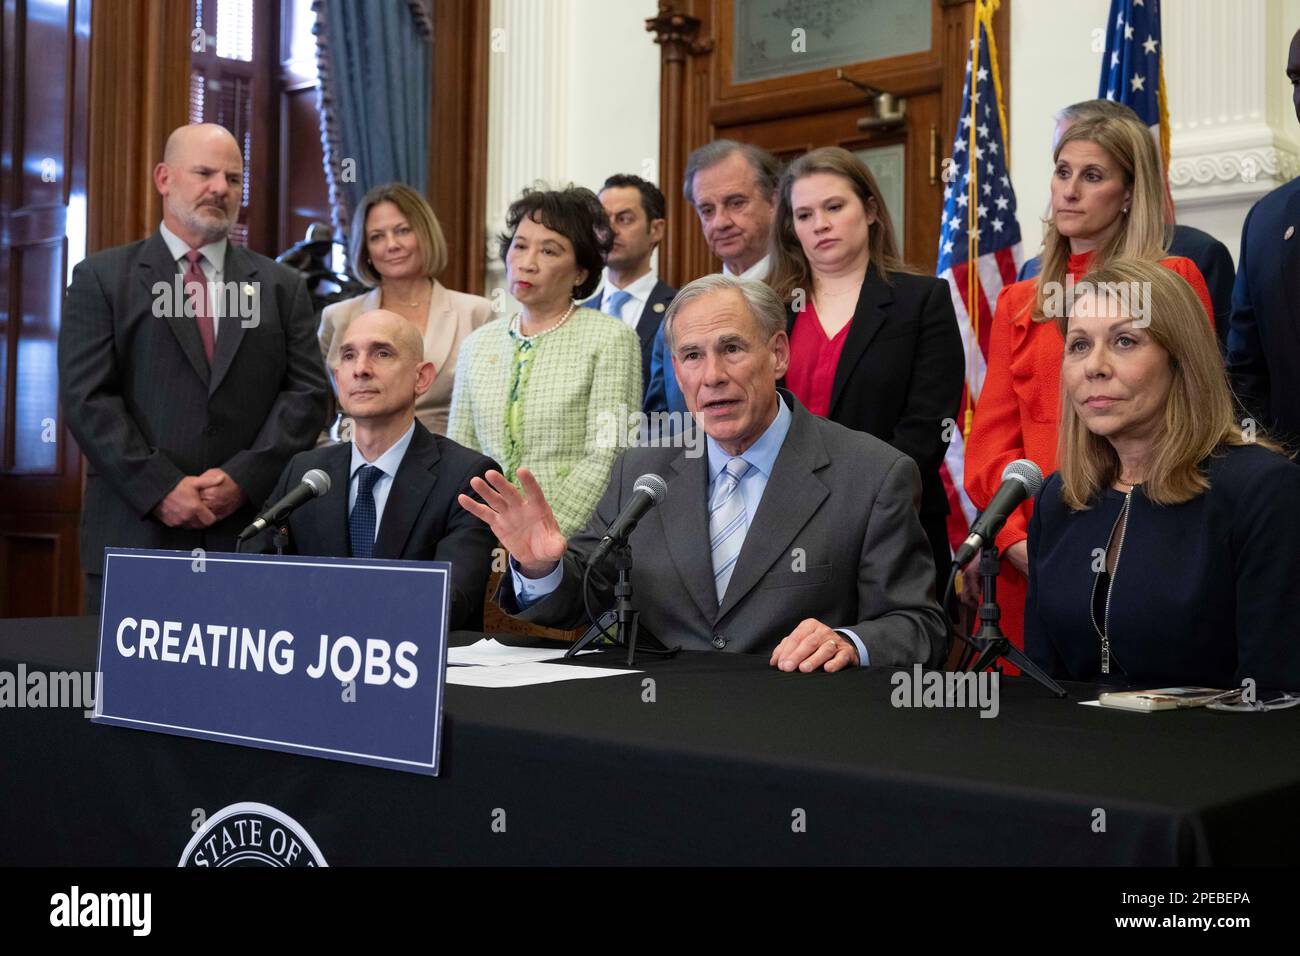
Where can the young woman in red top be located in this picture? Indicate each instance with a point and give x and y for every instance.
(873, 345)
(1107, 193)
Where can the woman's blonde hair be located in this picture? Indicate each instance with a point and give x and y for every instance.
(1199, 413)
(1141, 234)
(428, 234)
(789, 267)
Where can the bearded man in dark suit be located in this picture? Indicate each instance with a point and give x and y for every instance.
(189, 369)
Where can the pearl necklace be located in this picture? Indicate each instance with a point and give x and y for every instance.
(517, 324)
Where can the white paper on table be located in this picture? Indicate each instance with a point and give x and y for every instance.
(527, 673)
(490, 653)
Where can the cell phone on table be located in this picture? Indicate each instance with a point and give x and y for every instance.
(1164, 698)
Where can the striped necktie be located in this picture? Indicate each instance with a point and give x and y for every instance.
(727, 523)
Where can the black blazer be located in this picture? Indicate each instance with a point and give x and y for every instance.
(901, 372)
(1264, 332)
(652, 317)
(146, 409)
(422, 519)
(1206, 592)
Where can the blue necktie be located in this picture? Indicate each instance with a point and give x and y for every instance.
(727, 523)
(361, 523)
(616, 302)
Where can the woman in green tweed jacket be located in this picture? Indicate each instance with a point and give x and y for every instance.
(552, 388)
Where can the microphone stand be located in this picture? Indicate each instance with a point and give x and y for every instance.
(989, 642)
(624, 616)
(280, 537)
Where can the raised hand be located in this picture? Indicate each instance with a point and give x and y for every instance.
(523, 523)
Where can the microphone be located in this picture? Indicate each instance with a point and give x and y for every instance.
(648, 491)
(1020, 480)
(314, 484)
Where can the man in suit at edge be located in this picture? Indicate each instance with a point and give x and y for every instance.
(813, 551)
(393, 487)
(1210, 255)
(630, 292)
(1264, 330)
(185, 412)
(732, 188)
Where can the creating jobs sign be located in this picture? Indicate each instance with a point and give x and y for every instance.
(327, 657)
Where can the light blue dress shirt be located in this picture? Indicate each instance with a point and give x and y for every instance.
(388, 463)
(762, 458)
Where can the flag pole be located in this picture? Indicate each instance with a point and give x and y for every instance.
(972, 219)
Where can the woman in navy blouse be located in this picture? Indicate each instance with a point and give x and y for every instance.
(1165, 550)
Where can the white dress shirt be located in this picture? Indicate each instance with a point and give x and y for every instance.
(213, 261)
(757, 271)
(388, 463)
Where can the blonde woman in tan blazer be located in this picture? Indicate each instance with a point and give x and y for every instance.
(398, 249)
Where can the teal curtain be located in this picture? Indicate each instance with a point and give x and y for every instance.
(375, 59)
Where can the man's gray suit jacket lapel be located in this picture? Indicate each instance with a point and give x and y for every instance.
(793, 494)
(157, 265)
(237, 270)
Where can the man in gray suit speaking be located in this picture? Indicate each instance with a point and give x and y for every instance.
(189, 370)
(792, 536)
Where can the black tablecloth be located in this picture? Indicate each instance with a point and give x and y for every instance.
(732, 763)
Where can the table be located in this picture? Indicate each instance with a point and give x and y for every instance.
(731, 762)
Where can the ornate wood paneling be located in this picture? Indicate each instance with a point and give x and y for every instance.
(139, 93)
(458, 137)
(43, 203)
(699, 102)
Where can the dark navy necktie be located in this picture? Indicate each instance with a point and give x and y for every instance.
(361, 523)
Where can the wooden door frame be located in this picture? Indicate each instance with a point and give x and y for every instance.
(458, 137)
(699, 103)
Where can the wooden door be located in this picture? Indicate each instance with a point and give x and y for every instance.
(42, 231)
(736, 69)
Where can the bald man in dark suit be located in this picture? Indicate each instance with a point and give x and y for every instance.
(189, 370)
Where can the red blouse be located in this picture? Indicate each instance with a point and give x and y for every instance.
(813, 358)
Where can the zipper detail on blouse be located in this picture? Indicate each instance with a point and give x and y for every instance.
(1104, 631)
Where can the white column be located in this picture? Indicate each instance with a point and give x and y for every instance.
(1234, 134)
(528, 103)
(573, 96)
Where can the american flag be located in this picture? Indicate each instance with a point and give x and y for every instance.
(979, 226)
(1132, 72)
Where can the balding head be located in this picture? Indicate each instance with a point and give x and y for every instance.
(390, 327)
(199, 138)
(379, 369)
(201, 179)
